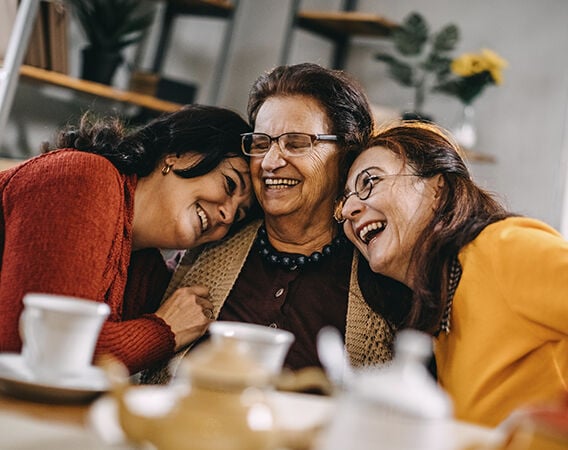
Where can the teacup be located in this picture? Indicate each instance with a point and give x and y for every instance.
(268, 346)
(59, 334)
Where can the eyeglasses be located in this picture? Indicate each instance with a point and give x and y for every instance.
(364, 183)
(290, 144)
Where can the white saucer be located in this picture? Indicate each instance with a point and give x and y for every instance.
(17, 379)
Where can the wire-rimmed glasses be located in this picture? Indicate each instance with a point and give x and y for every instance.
(290, 144)
(365, 181)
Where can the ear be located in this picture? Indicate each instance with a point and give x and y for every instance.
(170, 160)
(438, 184)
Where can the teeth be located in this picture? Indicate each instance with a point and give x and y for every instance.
(202, 217)
(280, 182)
(371, 230)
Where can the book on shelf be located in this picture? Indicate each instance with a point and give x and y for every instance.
(48, 46)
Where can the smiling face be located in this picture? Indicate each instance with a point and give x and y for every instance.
(302, 187)
(385, 227)
(172, 212)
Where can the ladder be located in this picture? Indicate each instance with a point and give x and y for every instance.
(17, 46)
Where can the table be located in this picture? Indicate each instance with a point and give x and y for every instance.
(29, 425)
(26, 425)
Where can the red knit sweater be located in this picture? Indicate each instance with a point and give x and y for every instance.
(66, 228)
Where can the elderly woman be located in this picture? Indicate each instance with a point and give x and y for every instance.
(293, 270)
(446, 258)
(88, 220)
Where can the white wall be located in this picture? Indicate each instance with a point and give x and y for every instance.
(521, 123)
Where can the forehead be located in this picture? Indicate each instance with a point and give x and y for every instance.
(291, 113)
(236, 163)
(379, 157)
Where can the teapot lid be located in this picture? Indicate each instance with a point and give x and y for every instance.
(225, 364)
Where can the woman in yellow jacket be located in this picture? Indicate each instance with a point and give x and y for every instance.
(446, 258)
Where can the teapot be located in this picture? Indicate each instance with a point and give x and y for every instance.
(218, 402)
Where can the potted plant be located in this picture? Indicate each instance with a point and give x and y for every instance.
(110, 26)
(423, 57)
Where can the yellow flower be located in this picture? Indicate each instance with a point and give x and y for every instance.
(470, 64)
(495, 64)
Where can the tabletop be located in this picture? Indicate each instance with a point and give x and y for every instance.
(30, 425)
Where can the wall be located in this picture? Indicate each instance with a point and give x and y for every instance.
(521, 123)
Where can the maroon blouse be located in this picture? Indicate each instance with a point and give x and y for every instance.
(301, 301)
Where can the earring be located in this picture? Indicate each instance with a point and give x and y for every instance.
(166, 169)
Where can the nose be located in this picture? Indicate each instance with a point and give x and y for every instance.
(352, 207)
(273, 159)
(227, 211)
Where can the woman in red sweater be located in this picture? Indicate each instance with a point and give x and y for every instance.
(89, 218)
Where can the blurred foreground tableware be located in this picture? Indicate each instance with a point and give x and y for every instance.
(268, 346)
(17, 380)
(332, 354)
(220, 399)
(538, 428)
(59, 334)
(224, 406)
(398, 406)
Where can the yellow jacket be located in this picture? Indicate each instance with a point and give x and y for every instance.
(508, 345)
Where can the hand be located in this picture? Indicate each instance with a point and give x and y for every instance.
(188, 312)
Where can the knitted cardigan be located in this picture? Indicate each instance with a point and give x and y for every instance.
(368, 337)
(66, 228)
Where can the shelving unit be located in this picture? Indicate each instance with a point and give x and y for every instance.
(34, 74)
(337, 26)
(222, 9)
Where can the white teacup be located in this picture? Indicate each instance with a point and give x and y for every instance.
(59, 334)
(269, 346)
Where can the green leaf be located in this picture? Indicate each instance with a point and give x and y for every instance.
(466, 89)
(402, 73)
(410, 38)
(446, 39)
(399, 70)
(437, 64)
(113, 24)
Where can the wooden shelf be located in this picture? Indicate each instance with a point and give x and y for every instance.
(210, 8)
(340, 24)
(101, 90)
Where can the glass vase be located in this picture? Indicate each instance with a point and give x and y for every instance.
(465, 131)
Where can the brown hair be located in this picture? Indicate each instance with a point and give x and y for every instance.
(209, 131)
(463, 211)
(342, 98)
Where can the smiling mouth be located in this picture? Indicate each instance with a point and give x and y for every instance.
(202, 218)
(280, 183)
(368, 232)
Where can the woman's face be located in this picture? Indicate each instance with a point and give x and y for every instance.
(385, 227)
(304, 186)
(179, 213)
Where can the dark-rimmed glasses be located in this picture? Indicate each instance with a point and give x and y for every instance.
(290, 144)
(364, 183)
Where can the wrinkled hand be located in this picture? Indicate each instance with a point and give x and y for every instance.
(188, 312)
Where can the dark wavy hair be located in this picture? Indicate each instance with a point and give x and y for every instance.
(463, 211)
(209, 131)
(341, 96)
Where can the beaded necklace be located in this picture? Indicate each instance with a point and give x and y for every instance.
(292, 261)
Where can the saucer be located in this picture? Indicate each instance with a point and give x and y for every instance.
(16, 379)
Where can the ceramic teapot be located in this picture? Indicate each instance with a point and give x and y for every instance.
(222, 404)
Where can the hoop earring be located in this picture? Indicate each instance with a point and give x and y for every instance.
(166, 169)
